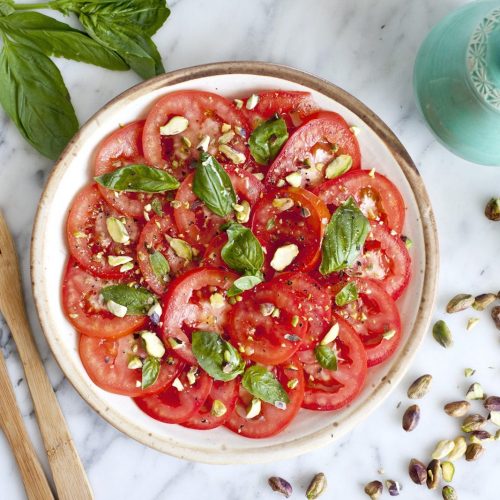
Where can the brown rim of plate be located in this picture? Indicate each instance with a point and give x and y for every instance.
(400, 363)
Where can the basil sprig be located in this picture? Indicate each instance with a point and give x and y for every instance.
(262, 384)
(216, 356)
(212, 185)
(344, 237)
(242, 284)
(160, 266)
(150, 371)
(137, 300)
(266, 140)
(138, 179)
(348, 294)
(326, 357)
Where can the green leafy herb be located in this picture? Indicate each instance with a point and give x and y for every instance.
(344, 237)
(160, 266)
(242, 284)
(137, 300)
(266, 140)
(212, 185)
(242, 252)
(138, 178)
(33, 94)
(326, 357)
(216, 356)
(349, 293)
(150, 371)
(6, 7)
(262, 384)
(157, 207)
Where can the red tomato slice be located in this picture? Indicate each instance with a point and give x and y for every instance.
(303, 225)
(317, 142)
(267, 339)
(378, 198)
(212, 256)
(154, 239)
(292, 106)
(196, 222)
(206, 113)
(227, 394)
(374, 314)
(187, 307)
(331, 390)
(315, 304)
(106, 362)
(89, 240)
(121, 148)
(173, 406)
(271, 420)
(85, 309)
(385, 259)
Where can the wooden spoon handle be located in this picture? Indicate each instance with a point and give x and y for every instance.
(35, 482)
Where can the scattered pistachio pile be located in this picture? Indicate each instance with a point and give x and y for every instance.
(316, 487)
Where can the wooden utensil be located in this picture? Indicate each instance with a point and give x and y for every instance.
(12, 424)
(67, 470)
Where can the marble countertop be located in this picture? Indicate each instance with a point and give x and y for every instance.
(368, 48)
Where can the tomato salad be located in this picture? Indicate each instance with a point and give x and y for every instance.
(232, 261)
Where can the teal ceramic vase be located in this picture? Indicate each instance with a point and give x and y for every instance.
(457, 81)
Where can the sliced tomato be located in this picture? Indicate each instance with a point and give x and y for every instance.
(385, 259)
(154, 239)
(266, 338)
(174, 406)
(375, 318)
(212, 256)
(315, 304)
(334, 389)
(86, 310)
(271, 419)
(223, 392)
(378, 198)
(195, 221)
(206, 113)
(292, 106)
(302, 225)
(312, 147)
(88, 238)
(187, 306)
(106, 362)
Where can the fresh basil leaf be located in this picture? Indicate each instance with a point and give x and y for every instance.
(344, 237)
(266, 140)
(216, 356)
(212, 185)
(160, 266)
(242, 252)
(150, 371)
(262, 384)
(242, 284)
(137, 300)
(348, 294)
(326, 357)
(33, 94)
(6, 7)
(54, 38)
(138, 179)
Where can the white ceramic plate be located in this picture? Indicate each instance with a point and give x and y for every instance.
(380, 149)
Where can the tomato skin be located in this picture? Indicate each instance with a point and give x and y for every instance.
(382, 316)
(106, 360)
(227, 394)
(173, 406)
(333, 390)
(291, 226)
(88, 235)
(185, 311)
(268, 342)
(212, 256)
(85, 311)
(307, 142)
(271, 419)
(376, 196)
(206, 113)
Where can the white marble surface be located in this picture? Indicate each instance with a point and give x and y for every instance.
(368, 48)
